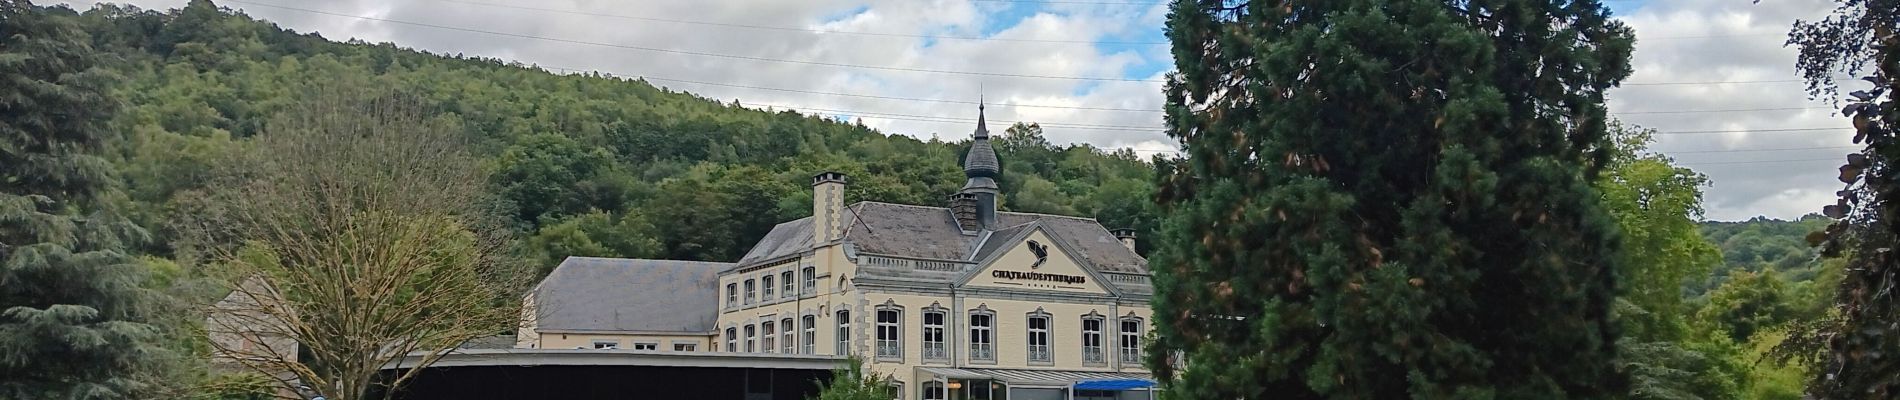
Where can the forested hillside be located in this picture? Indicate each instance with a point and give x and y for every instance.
(1763, 244)
(590, 165)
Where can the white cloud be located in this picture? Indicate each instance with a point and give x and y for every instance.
(1678, 41)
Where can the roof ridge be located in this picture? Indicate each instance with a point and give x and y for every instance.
(897, 204)
(1050, 215)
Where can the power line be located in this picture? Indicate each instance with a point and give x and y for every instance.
(796, 29)
(695, 53)
(1752, 131)
(804, 62)
(1710, 83)
(1762, 161)
(915, 99)
(1756, 150)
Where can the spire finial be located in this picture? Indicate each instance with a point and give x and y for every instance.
(982, 129)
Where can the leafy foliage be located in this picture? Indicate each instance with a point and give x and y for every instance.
(579, 156)
(1864, 337)
(1389, 199)
(853, 382)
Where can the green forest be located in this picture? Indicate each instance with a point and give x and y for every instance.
(595, 165)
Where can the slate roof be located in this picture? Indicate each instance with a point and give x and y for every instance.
(931, 233)
(617, 294)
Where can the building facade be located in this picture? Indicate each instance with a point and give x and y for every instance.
(955, 302)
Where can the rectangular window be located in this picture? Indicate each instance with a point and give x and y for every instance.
(749, 294)
(606, 344)
(732, 340)
(810, 323)
(732, 295)
(786, 336)
(683, 346)
(888, 343)
(811, 280)
(1039, 339)
(933, 336)
(982, 344)
(844, 334)
(767, 283)
(646, 346)
(1131, 340)
(751, 339)
(1092, 341)
(786, 280)
(766, 330)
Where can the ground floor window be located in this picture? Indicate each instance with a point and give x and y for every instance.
(683, 346)
(844, 333)
(766, 329)
(933, 390)
(732, 340)
(646, 346)
(606, 344)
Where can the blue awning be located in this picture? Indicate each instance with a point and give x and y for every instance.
(1114, 384)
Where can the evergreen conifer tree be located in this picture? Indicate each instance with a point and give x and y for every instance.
(71, 321)
(1388, 199)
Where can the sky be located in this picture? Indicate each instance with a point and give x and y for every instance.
(1090, 71)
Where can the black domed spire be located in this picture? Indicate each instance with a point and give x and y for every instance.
(981, 161)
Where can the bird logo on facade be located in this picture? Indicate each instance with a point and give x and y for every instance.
(1041, 252)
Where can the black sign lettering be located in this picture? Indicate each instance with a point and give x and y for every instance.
(1038, 276)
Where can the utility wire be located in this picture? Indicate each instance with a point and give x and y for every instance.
(694, 53)
(797, 29)
(804, 62)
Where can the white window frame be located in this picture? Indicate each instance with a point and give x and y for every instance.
(932, 390)
(606, 344)
(890, 334)
(983, 336)
(649, 346)
(1034, 353)
(1129, 347)
(787, 336)
(765, 282)
(844, 332)
(935, 349)
(811, 280)
(1092, 339)
(786, 289)
(751, 291)
(768, 338)
(732, 340)
(732, 295)
(810, 342)
(751, 338)
(684, 346)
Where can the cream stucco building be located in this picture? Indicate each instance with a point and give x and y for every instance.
(955, 302)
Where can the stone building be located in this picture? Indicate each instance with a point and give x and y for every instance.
(955, 302)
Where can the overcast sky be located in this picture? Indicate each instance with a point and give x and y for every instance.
(1090, 70)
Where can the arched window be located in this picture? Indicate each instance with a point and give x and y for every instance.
(766, 332)
(810, 325)
(982, 335)
(1131, 339)
(890, 322)
(811, 280)
(767, 283)
(934, 318)
(1092, 328)
(785, 279)
(732, 295)
(933, 390)
(786, 336)
(751, 338)
(1038, 338)
(732, 340)
(844, 333)
(750, 291)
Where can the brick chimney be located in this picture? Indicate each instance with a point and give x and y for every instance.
(1127, 236)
